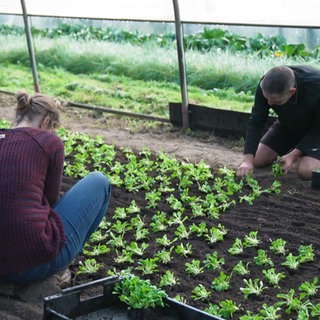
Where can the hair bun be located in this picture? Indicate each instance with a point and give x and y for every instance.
(23, 100)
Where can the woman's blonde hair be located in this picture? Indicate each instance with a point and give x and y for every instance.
(31, 106)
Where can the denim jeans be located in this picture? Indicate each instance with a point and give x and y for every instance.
(81, 210)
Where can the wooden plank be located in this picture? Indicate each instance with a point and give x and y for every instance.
(220, 122)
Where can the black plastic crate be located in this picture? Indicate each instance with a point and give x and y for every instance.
(95, 301)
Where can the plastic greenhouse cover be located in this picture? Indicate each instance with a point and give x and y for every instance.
(295, 13)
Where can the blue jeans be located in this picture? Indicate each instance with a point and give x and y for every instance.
(81, 210)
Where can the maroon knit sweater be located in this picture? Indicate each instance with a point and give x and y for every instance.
(31, 168)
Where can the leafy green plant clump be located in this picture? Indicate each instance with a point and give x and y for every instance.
(206, 40)
(138, 293)
(276, 168)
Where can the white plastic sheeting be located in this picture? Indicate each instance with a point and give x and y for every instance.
(292, 13)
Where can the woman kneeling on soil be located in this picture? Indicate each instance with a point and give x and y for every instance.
(40, 234)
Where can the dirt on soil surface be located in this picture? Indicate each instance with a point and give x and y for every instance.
(293, 215)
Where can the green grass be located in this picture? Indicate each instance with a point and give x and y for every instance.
(111, 91)
(141, 79)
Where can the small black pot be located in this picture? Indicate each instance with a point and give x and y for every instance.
(315, 179)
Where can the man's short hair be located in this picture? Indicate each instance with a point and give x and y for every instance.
(278, 80)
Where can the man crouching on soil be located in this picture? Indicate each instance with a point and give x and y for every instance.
(293, 93)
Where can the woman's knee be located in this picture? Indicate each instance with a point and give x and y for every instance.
(102, 181)
(97, 185)
(97, 175)
(99, 179)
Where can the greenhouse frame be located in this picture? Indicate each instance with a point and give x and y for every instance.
(285, 13)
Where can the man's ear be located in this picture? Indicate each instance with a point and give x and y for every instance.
(293, 91)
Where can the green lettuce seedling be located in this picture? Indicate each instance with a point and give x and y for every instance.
(276, 168)
(138, 293)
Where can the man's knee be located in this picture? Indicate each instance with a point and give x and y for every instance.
(264, 156)
(305, 167)
(303, 172)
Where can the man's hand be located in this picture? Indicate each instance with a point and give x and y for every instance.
(246, 167)
(288, 159)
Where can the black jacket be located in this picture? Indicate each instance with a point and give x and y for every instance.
(300, 115)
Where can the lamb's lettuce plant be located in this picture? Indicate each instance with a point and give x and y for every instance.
(147, 266)
(119, 213)
(168, 279)
(262, 259)
(212, 262)
(133, 207)
(250, 316)
(308, 289)
(289, 300)
(271, 312)
(200, 293)
(182, 232)
(175, 204)
(241, 269)
(120, 227)
(199, 229)
(194, 267)
(124, 256)
(105, 224)
(164, 256)
(165, 241)
(228, 308)
(141, 233)
(88, 266)
(5, 124)
(251, 240)
(292, 261)
(153, 198)
(315, 310)
(252, 287)
(184, 250)
(180, 298)
(159, 222)
(196, 209)
(186, 197)
(137, 222)
(177, 218)
(277, 246)
(215, 234)
(222, 282)
(116, 241)
(98, 236)
(138, 293)
(96, 250)
(277, 168)
(305, 253)
(236, 248)
(212, 309)
(274, 188)
(137, 249)
(272, 277)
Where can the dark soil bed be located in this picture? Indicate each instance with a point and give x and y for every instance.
(293, 215)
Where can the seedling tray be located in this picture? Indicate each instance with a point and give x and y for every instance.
(95, 301)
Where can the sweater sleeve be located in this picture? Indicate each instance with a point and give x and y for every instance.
(54, 172)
